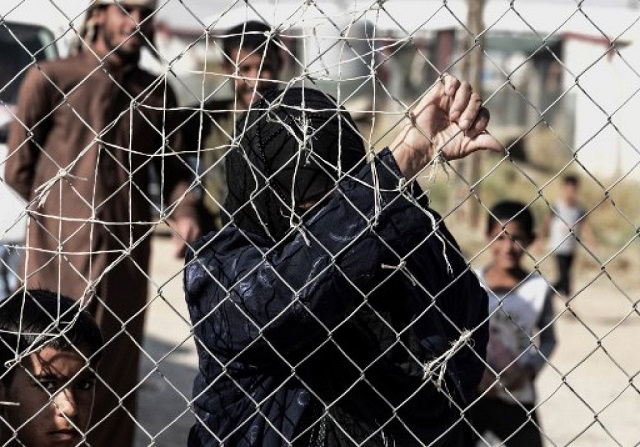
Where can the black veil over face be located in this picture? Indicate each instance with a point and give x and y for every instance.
(293, 146)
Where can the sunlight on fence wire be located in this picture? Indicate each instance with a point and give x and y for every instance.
(210, 182)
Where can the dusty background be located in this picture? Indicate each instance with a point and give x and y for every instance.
(588, 395)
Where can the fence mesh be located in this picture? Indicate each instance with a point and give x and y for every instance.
(119, 122)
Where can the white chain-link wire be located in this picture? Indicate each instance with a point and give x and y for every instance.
(547, 68)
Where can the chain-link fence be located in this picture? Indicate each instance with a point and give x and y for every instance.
(323, 302)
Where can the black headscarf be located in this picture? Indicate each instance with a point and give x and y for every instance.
(292, 146)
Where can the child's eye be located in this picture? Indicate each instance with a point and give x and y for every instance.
(123, 11)
(85, 384)
(50, 386)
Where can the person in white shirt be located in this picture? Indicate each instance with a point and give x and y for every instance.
(521, 333)
(561, 226)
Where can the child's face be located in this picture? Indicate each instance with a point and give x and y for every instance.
(54, 390)
(508, 247)
(570, 193)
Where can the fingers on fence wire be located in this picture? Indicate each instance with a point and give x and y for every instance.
(450, 120)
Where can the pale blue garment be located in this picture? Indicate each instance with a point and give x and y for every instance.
(9, 263)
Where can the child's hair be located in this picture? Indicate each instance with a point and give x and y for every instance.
(41, 318)
(510, 211)
(251, 36)
(571, 179)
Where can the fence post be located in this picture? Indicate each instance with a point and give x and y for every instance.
(472, 67)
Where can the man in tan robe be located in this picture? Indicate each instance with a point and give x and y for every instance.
(87, 129)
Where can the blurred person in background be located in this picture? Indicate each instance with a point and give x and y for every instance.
(521, 332)
(24, 39)
(335, 308)
(253, 61)
(390, 73)
(562, 226)
(421, 71)
(87, 128)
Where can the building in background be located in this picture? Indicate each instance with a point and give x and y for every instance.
(573, 67)
(566, 68)
(556, 65)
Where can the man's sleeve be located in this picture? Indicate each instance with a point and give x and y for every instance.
(28, 132)
(174, 169)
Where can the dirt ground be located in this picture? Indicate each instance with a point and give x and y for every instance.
(169, 362)
(588, 395)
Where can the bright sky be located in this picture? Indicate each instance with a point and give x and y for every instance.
(175, 13)
(191, 14)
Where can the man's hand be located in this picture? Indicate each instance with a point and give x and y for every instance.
(449, 119)
(185, 230)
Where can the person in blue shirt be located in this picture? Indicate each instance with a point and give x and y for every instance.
(334, 308)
